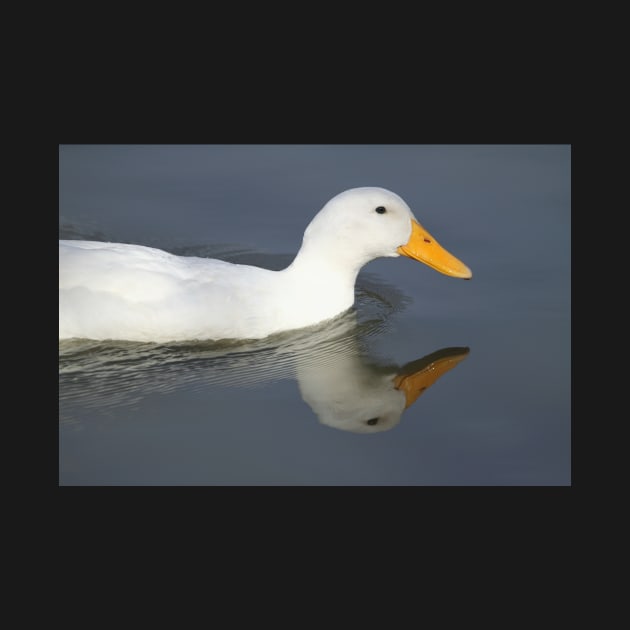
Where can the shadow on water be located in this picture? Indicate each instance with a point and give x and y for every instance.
(338, 377)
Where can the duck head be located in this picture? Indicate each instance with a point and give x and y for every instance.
(362, 224)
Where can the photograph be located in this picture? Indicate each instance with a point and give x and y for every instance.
(315, 315)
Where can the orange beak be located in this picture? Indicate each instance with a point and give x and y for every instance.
(418, 376)
(423, 247)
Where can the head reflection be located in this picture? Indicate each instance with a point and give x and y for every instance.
(352, 393)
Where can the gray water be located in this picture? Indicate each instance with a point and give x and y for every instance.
(494, 353)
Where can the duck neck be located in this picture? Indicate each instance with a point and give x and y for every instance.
(338, 268)
(325, 280)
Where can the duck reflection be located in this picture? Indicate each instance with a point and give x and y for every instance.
(338, 377)
(354, 394)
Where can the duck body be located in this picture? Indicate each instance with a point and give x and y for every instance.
(138, 293)
(119, 291)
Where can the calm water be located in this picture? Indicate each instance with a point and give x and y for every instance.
(485, 363)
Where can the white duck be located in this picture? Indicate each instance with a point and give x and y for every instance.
(137, 293)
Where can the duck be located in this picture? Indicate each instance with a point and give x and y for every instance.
(120, 291)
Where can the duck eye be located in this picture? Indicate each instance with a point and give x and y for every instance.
(372, 422)
(381, 210)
